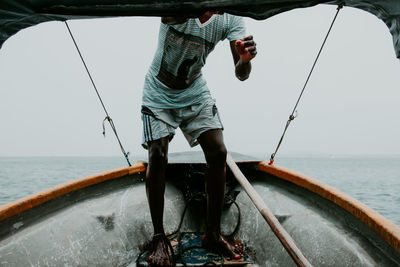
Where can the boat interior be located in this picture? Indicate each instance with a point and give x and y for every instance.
(108, 223)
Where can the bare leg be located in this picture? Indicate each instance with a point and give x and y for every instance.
(155, 187)
(215, 153)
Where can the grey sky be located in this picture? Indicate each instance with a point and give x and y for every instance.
(49, 107)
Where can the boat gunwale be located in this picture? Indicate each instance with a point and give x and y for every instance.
(386, 229)
(16, 207)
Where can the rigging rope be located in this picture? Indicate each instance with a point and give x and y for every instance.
(108, 118)
(293, 115)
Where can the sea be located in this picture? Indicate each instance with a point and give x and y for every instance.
(373, 180)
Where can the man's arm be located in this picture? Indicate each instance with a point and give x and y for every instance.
(243, 51)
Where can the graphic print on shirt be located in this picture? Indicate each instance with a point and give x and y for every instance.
(183, 57)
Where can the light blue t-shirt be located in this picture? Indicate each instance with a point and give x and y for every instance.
(181, 54)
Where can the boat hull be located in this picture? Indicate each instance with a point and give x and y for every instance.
(108, 223)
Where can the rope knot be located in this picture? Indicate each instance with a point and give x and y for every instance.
(107, 118)
(271, 160)
(293, 115)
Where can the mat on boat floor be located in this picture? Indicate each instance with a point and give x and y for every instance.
(197, 256)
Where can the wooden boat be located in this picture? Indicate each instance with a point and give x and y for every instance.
(103, 220)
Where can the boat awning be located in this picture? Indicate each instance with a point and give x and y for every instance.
(19, 14)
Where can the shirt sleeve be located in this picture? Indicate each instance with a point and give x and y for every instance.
(236, 29)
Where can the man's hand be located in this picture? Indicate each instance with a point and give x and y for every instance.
(243, 51)
(246, 48)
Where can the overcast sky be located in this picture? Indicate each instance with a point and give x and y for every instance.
(49, 108)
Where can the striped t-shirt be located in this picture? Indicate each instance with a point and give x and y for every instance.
(181, 54)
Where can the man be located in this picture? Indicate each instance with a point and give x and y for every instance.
(175, 95)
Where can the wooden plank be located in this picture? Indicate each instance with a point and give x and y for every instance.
(283, 236)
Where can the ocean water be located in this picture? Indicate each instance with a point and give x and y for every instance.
(375, 181)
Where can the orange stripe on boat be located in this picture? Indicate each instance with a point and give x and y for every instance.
(29, 202)
(382, 226)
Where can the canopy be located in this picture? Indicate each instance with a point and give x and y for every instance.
(19, 14)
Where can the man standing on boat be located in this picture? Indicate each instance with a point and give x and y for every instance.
(176, 95)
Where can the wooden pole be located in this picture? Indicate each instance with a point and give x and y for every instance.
(283, 236)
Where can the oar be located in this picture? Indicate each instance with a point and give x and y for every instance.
(283, 236)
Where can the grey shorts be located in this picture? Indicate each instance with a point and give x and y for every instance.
(193, 121)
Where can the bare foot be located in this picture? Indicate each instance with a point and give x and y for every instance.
(238, 245)
(221, 245)
(159, 252)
